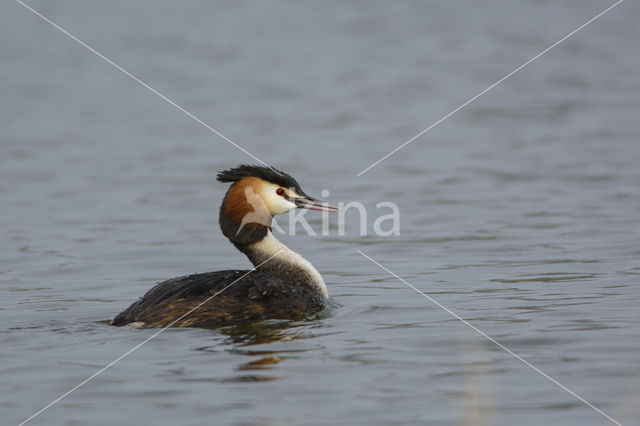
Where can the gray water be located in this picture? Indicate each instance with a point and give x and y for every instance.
(520, 213)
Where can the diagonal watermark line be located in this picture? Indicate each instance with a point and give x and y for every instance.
(115, 361)
(500, 345)
(136, 79)
(489, 88)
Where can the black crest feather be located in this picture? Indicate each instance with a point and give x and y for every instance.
(269, 174)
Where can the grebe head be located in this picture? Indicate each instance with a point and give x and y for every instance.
(257, 194)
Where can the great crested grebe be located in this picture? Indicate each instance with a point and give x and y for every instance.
(284, 285)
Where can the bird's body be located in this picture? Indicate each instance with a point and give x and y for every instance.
(235, 296)
(282, 285)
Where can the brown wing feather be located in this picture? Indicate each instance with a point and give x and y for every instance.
(256, 296)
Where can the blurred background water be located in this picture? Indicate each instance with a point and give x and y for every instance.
(520, 213)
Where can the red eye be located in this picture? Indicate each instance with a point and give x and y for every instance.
(280, 191)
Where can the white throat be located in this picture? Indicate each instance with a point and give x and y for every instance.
(285, 262)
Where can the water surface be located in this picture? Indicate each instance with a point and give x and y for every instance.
(519, 213)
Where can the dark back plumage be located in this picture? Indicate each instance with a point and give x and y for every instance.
(222, 298)
(269, 174)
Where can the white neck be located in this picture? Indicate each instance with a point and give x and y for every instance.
(285, 262)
